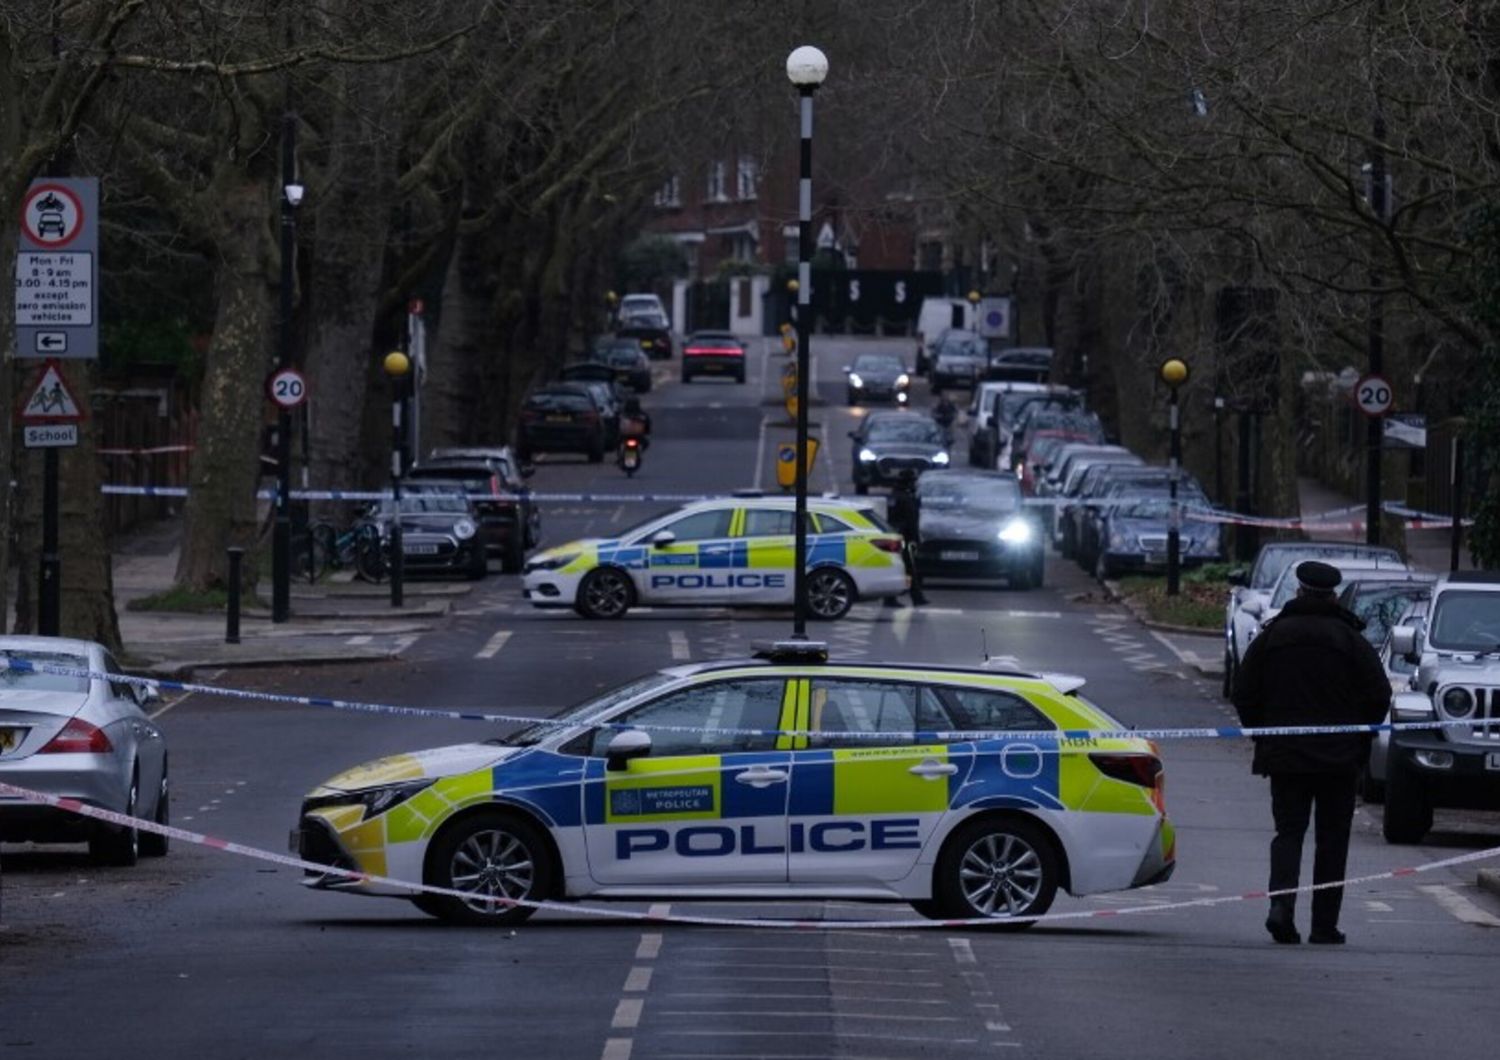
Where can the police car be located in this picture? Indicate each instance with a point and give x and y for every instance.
(780, 777)
(728, 552)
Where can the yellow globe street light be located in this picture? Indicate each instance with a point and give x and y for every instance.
(1174, 371)
(973, 297)
(396, 364)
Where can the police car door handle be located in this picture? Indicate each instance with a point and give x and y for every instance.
(760, 777)
(931, 769)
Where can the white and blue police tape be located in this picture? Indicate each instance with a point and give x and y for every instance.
(1061, 736)
(796, 924)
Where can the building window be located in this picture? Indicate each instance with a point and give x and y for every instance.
(742, 247)
(669, 194)
(717, 188)
(747, 177)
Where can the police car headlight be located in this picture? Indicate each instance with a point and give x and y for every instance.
(901, 397)
(855, 381)
(866, 456)
(1016, 532)
(941, 459)
(464, 529)
(379, 800)
(552, 562)
(1458, 702)
(903, 380)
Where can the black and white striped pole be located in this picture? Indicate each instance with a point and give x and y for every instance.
(806, 68)
(1174, 372)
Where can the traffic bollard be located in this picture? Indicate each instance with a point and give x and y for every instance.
(232, 613)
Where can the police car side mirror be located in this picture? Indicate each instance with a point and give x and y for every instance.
(623, 746)
(663, 538)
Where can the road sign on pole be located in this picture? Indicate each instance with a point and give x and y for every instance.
(50, 400)
(49, 420)
(57, 269)
(287, 388)
(1373, 395)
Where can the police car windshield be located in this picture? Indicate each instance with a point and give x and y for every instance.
(904, 429)
(987, 496)
(1466, 621)
(584, 712)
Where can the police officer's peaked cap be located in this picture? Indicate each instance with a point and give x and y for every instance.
(1322, 577)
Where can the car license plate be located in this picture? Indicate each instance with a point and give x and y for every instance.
(11, 738)
(1492, 761)
(564, 418)
(958, 555)
(419, 550)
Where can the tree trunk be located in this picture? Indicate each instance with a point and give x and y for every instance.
(221, 504)
(450, 410)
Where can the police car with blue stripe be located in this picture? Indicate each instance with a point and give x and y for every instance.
(968, 793)
(727, 552)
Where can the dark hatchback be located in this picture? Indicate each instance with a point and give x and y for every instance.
(562, 418)
(713, 353)
(627, 360)
(973, 525)
(439, 531)
(509, 521)
(651, 331)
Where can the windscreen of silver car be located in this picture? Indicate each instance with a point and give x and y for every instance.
(1466, 621)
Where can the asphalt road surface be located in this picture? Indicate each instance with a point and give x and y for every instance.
(207, 954)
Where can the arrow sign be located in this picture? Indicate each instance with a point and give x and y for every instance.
(50, 400)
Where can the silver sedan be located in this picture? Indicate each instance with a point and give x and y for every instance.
(79, 738)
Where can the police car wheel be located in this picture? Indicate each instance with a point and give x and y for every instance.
(490, 855)
(830, 594)
(605, 593)
(999, 868)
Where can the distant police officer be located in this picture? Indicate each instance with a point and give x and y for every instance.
(904, 512)
(1311, 666)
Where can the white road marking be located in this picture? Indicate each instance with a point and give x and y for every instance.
(1459, 906)
(402, 643)
(493, 645)
(649, 947)
(358, 640)
(901, 624)
(616, 1049)
(1378, 907)
(638, 980)
(760, 451)
(659, 909)
(963, 951)
(627, 1013)
(680, 649)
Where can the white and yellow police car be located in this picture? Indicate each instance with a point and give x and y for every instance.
(781, 777)
(727, 552)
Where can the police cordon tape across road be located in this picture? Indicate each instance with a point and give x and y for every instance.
(1227, 732)
(256, 853)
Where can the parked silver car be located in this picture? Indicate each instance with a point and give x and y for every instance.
(79, 738)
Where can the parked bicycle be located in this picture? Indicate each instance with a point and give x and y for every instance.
(329, 549)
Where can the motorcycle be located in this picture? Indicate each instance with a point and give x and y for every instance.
(629, 455)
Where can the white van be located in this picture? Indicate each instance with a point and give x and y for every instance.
(936, 316)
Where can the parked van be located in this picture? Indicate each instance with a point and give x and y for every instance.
(936, 316)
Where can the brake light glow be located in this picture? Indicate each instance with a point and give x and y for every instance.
(713, 351)
(1140, 769)
(887, 544)
(494, 485)
(78, 737)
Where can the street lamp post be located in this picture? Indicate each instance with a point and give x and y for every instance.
(281, 538)
(398, 366)
(1174, 372)
(806, 68)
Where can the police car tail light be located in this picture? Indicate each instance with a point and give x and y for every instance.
(78, 737)
(1144, 770)
(887, 544)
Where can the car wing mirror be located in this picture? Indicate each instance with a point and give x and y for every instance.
(623, 746)
(1255, 608)
(1404, 643)
(147, 695)
(1239, 576)
(663, 538)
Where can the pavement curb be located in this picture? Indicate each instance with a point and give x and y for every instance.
(1489, 880)
(182, 668)
(1136, 612)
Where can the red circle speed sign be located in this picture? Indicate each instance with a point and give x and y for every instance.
(1373, 395)
(287, 388)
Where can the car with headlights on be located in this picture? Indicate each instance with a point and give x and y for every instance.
(877, 377)
(1133, 538)
(781, 777)
(439, 530)
(1251, 589)
(79, 737)
(889, 443)
(973, 524)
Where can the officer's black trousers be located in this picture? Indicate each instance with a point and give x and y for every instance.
(1328, 798)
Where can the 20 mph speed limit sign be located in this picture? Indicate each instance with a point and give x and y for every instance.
(287, 388)
(1373, 395)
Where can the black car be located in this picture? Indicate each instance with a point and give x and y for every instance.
(1021, 364)
(439, 531)
(562, 418)
(973, 525)
(713, 353)
(877, 377)
(509, 521)
(652, 330)
(627, 359)
(888, 443)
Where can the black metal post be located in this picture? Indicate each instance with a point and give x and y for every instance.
(232, 612)
(804, 318)
(398, 448)
(1244, 534)
(1374, 429)
(1219, 451)
(49, 602)
(1174, 537)
(1456, 480)
(281, 540)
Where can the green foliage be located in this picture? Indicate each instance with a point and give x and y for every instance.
(1484, 407)
(651, 263)
(178, 598)
(137, 341)
(1199, 605)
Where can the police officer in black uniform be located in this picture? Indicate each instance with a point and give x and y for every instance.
(904, 512)
(1311, 666)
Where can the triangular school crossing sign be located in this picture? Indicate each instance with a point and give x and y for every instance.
(50, 400)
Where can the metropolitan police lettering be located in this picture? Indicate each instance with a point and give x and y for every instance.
(642, 802)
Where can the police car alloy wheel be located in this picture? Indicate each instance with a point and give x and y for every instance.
(830, 593)
(605, 593)
(490, 855)
(999, 868)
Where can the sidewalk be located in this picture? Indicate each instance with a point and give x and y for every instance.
(1425, 549)
(338, 622)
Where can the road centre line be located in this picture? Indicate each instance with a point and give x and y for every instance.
(359, 640)
(679, 641)
(649, 947)
(493, 645)
(616, 1049)
(638, 980)
(627, 1013)
(963, 951)
(1458, 906)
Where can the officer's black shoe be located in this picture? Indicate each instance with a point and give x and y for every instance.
(892, 601)
(1279, 924)
(919, 600)
(1326, 937)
